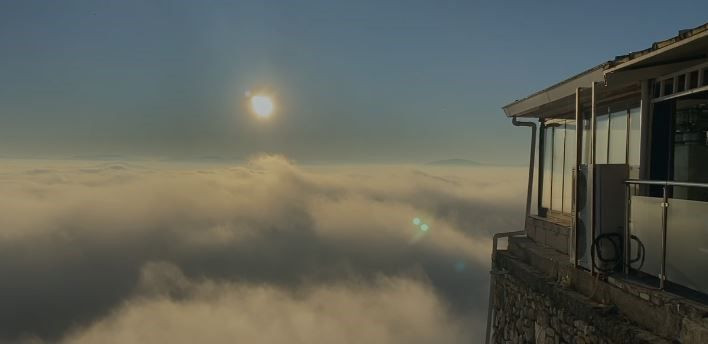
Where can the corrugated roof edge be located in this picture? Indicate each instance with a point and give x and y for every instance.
(618, 60)
(683, 34)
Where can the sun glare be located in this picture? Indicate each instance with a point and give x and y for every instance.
(262, 105)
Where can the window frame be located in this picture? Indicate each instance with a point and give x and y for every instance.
(629, 112)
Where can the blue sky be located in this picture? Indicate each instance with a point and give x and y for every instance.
(363, 81)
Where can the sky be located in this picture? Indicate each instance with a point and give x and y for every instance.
(360, 81)
(138, 191)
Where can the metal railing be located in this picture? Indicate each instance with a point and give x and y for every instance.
(664, 218)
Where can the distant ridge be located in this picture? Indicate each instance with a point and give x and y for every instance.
(454, 162)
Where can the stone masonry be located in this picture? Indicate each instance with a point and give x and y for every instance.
(524, 316)
(539, 298)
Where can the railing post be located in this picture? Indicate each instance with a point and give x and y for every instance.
(664, 221)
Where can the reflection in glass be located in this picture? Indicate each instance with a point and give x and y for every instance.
(602, 126)
(558, 161)
(587, 133)
(690, 146)
(569, 165)
(618, 138)
(547, 167)
(634, 136)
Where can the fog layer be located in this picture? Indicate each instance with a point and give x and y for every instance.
(267, 252)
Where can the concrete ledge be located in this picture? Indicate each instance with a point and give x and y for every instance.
(548, 233)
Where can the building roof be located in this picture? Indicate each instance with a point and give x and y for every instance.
(689, 45)
(682, 35)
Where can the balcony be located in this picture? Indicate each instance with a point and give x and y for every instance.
(669, 234)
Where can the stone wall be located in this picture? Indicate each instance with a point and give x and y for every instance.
(539, 297)
(524, 316)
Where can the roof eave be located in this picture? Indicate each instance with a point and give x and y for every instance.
(531, 105)
(526, 106)
(670, 44)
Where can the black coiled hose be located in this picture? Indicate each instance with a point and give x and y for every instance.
(606, 264)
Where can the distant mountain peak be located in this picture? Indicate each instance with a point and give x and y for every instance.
(454, 162)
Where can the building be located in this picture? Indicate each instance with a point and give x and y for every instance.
(615, 245)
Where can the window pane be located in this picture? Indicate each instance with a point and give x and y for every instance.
(601, 135)
(634, 136)
(558, 151)
(586, 140)
(547, 166)
(618, 137)
(570, 154)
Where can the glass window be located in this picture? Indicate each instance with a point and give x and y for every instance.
(569, 166)
(617, 142)
(586, 140)
(602, 126)
(690, 146)
(547, 166)
(558, 161)
(634, 136)
(535, 202)
(618, 138)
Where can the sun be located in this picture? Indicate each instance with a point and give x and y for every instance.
(262, 105)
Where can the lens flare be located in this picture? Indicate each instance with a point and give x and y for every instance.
(422, 230)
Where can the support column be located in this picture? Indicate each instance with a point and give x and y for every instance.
(645, 120)
(591, 170)
(576, 172)
(541, 167)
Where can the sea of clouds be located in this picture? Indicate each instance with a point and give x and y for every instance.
(264, 252)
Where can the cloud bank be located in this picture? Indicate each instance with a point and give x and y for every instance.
(268, 252)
